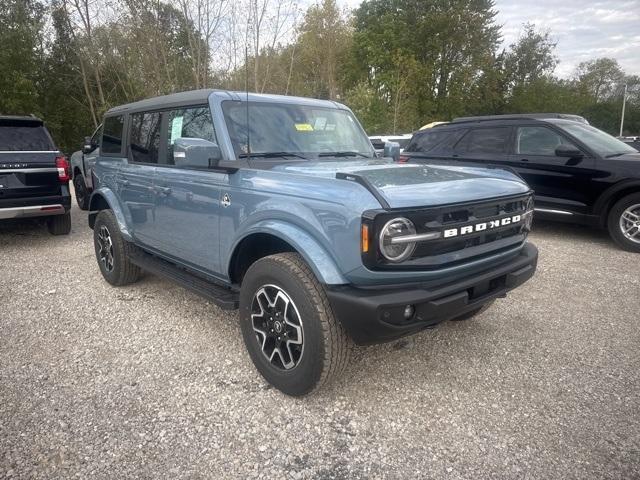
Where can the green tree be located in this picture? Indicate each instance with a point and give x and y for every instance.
(21, 54)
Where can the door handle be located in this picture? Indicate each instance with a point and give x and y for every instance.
(164, 190)
(524, 159)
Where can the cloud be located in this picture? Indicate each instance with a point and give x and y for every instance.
(583, 29)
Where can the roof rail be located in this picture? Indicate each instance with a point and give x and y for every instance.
(514, 116)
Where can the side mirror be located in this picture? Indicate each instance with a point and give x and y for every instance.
(88, 145)
(392, 150)
(196, 153)
(568, 151)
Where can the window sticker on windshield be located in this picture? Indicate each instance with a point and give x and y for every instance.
(304, 127)
(176, 129)
(320, 123)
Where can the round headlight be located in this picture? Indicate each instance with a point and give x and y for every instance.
(397, 251)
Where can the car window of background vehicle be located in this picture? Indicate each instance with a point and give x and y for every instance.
(599, 141)
(23, 136)
(192, 122)
(427, 141)
(145, 137)
(112, 135)
(484, 140)
(538, 141)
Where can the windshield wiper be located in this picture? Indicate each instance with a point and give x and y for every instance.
(272, 155)
(343, 154)
(616, 154)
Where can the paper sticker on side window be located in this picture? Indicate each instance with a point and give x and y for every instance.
(176, 129)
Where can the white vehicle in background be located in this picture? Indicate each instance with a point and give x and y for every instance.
(82, 163)
(378, 141)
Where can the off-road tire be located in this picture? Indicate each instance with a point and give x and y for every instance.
(82, 195)
(326, 345)
(123, 271)
(472, 313)
(613, 222)
(59, 224)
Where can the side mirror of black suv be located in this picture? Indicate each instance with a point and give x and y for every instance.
(568, 151)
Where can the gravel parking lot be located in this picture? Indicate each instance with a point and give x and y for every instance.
(151, 381)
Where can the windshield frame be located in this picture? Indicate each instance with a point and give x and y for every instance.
(570, 128)
(315, 156)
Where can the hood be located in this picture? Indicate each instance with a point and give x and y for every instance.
(414, 185)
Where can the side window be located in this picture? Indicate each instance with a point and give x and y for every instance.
(485, 140)
(112, 135)
(538, 141)
(424, 142)
(145, 137)
(190, 122)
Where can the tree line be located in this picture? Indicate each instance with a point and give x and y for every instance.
(399, 64)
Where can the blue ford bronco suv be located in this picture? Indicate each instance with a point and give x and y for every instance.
(278, 206)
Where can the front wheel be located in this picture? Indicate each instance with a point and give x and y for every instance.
(624, 223)
(288, 326)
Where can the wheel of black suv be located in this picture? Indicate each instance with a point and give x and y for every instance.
(112, 251)
(624, 223)
(59, 224)
(82, 196)
(469, 315)
(288, 326)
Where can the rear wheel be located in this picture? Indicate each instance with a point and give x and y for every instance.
(624, 223)
(288, 326)
(59, 224)
(112, 251)
(82, 195)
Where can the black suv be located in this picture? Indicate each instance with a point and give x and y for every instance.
(578, 173)
(34, 174)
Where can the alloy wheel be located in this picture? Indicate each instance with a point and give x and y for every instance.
(630, 223)
(105, 245)
(276, 321)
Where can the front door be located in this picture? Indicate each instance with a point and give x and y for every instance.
(187, 201)
(559, 183)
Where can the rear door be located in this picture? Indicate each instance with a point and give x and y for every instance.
(136, 175)
(485, 145)
(558, 182)
(27, 161)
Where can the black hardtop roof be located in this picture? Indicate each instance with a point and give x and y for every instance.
(195, 97)
(520, 116)
(20, 118)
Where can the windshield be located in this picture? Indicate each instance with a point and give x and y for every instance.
(298, 130)
(599, 141)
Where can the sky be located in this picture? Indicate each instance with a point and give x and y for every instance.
(583, 29)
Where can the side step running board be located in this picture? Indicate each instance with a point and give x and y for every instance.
(224, 298)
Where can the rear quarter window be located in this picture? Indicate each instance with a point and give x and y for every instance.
(427, 141)
(24, 136)
(112, 135)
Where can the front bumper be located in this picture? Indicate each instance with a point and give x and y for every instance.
(376, 315)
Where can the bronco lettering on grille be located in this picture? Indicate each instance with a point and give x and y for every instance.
(479, 227)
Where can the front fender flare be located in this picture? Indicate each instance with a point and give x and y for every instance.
(603, 203)
(316, 256)
(103, 198)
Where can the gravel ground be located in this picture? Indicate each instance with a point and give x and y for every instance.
(151, 381)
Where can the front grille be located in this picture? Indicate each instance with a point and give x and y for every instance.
(456, 219)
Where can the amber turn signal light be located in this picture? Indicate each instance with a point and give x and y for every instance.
(364, 244)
